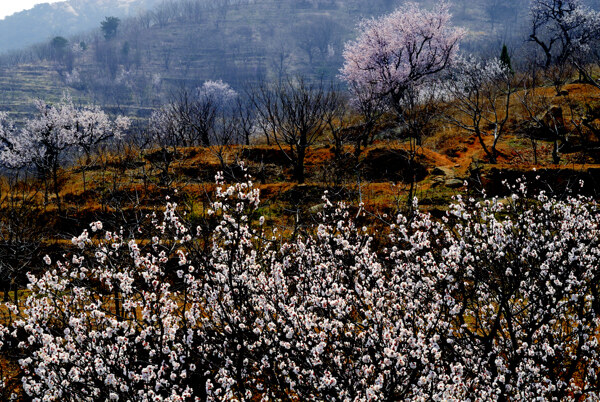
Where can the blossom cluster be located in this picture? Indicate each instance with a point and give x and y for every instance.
(497, 300)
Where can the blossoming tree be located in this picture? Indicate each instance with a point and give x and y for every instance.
(563, 28)
(45, 141)
(398, 51)
(394, 59)
(496, 301)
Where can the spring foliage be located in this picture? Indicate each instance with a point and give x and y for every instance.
(497, 300)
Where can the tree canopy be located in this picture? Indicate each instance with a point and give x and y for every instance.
(109, 27)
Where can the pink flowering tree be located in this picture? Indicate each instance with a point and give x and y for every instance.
(394, 61)
(400, 51)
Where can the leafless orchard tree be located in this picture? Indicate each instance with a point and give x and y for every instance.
(190, 117)
(315, 35)
(21, 231)
(294, 112)
(244, 117)
(369, 108)
(545, 120)
(480, 98)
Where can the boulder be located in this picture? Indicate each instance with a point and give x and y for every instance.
(454, 183)
(438, 172)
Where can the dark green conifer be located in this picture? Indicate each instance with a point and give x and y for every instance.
(505, 59)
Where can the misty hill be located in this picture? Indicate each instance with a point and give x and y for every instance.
(63, 18)
(182, 43)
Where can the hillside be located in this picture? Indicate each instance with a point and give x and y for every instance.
(186, 42)
(123, 189)
(64, 18)
(205, 206)
(123, 181)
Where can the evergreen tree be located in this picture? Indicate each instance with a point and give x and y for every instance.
(505, 59)
(109, 27)
(59, 43)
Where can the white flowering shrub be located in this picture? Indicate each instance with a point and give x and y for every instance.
(496, 301)
(524, 295)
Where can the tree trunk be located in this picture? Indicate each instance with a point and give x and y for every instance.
(489, 154)
(299, 170)
(205, 139)
(413, 142)
(117, 306)
(46, 191)
(56, 190)
(299, 166)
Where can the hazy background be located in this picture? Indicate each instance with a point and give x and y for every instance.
(163, 46)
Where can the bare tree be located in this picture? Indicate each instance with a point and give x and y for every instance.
(295, 113)
(163, 14)
(21, 232)
(144, 19)
(587, 61)
(422, 109)
(281, 58)
(480, 97)
(545, 121)
(338, 121)
(190, 118)
(561, 27)
(193, 9)
(315, 36)
(244, 117)
(369, 108)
